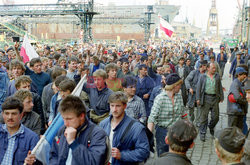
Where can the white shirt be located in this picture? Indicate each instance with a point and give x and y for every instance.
(111, 135)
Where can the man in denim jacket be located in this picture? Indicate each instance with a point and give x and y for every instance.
(3, 85)
(16, 140)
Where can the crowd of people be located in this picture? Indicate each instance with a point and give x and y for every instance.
(134, 94)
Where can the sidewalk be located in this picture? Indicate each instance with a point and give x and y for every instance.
(203, 153)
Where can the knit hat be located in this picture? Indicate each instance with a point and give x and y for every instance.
(231, 139)
(172, 80)
(240, 70)
(182, 133)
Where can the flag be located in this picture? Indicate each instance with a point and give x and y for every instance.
(42, 148)
(166, 27)
(27, 50)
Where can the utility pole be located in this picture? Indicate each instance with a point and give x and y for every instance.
(242, 21)
(86, 20)
(147, 24)
(248, 26)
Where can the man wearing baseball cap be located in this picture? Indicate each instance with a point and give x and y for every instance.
(236, 102)
(229, 144)
(180, 138)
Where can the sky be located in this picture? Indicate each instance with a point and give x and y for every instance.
(197, 11)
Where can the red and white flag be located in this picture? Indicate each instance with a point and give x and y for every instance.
(27, 50)
(166, 27)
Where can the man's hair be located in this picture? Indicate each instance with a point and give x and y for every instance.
(59, 79)
(100, 73)
(67, 85)
(38, 51)
(95, 58)
(202, 54)
(16, 63)
(61, 59)
(57, 56)
(144, 58)
(71, 59)
(72, 104)
(243, 73)
(166, 66)
(118, 96)
(51, 57)
(34, 61)
(22, 79)
(12, 102)
(111, 66)
(44, 59)
(57, 71)
(178, 148)
(128, 81)
(225, 155)
(22, 94)
(209, 64)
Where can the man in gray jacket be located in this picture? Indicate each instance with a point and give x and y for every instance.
(191, 84)
(236, 101)
(209, 93)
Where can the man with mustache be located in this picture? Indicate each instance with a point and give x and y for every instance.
(16, 140)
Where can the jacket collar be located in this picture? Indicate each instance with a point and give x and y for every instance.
(121, 122)
(20, 132)
(170, 154)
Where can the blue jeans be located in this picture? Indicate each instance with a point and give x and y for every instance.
(160, 134)
(245, 127)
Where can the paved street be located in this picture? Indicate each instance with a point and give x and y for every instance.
(203, 153)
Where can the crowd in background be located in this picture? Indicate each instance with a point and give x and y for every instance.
(163, 87)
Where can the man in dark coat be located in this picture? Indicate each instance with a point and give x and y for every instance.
(236, 101)
(191, 84)
(180, 138)
(144, 86)
(209, 93)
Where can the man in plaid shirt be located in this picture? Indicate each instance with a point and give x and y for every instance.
(167, 109)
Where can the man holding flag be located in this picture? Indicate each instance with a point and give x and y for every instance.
(79, 141)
